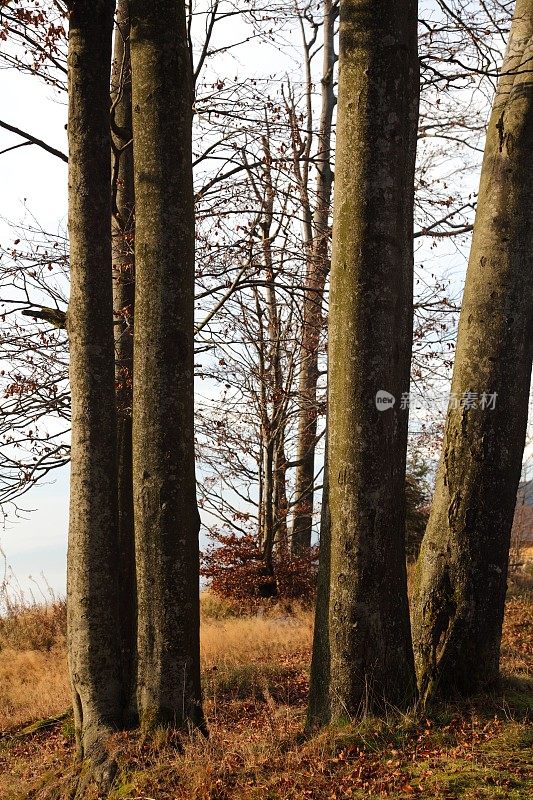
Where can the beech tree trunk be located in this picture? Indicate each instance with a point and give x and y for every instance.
(123, 304)
(317, 270)
(462, 568)
(166, 514)
(370, 337)
(92, 586)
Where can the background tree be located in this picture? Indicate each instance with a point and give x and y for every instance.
(462, 570)
(123, 228)
(316, 238)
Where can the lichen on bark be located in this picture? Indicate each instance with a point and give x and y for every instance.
(370, 334)
(166, 514)
(92, 586)
(462, 568)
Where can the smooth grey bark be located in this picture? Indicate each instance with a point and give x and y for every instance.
(370, 338)
(316, 235)
(123, 304)
(274, 471)
(272, 395)
(462, 568)
(166, 514)
(92, 587)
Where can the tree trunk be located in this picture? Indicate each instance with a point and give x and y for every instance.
(273, 391)
(370, 336)
(281, 502)
(462, 568)
(317, 269)
(166, 514)
(123, 305)
(318, 711)
(93, 646)
(267, 525)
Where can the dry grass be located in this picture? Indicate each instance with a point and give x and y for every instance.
(238, 654)
(33, 670)
(34, 627)
(267, 639)
(517, 645)
(255, 682)
(33, 685)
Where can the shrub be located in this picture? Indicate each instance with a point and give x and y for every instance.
(236, 570)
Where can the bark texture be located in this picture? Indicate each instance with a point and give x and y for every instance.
(123, 305)
(166, 514)
(462, 568)
(93, 647)
(370, 337)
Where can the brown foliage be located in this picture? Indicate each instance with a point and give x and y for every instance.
(235, 569)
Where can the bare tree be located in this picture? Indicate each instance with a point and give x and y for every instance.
(316, 237)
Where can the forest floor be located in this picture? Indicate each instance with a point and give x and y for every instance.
(255, 673)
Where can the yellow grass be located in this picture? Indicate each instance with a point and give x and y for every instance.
(33, 685)
(255, 686)
(34, 682)
(243, 640)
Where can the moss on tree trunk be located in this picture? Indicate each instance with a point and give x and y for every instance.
(370, 334)
(462, 567)
(166, 514)
(93, 650)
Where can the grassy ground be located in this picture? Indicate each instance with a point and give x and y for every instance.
(255, 680)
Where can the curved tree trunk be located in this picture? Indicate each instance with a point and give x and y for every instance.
(462, 568)
(93, 647)
(166, 514)
(123, 304)
(370, 335)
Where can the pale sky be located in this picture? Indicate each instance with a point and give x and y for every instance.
(34, 182)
